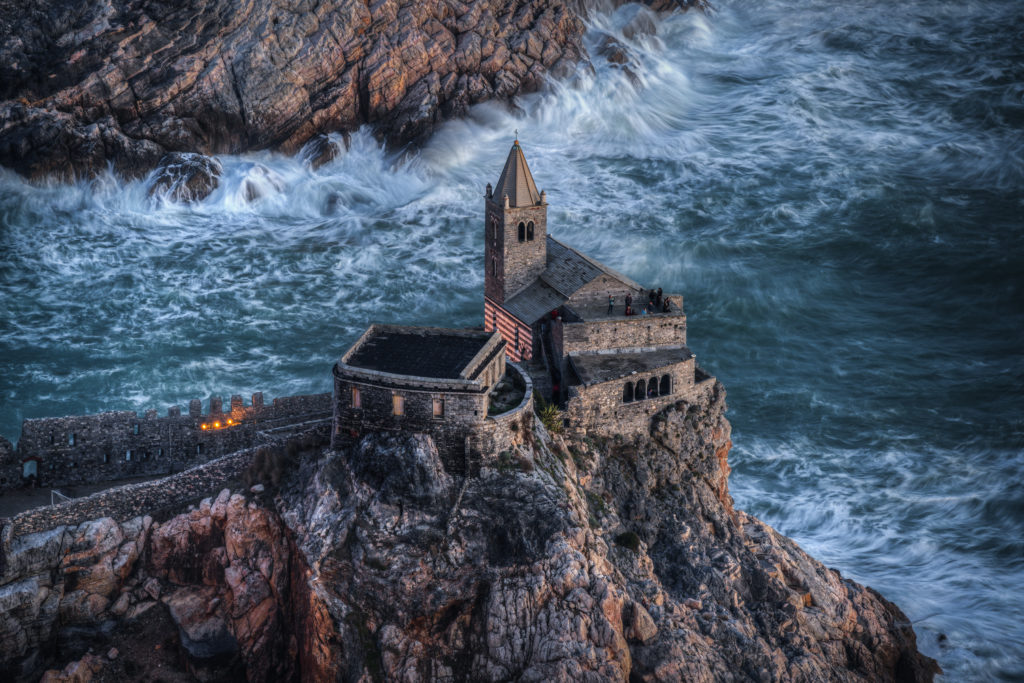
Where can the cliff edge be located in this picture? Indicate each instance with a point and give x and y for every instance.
(569, 559)
(128, 81)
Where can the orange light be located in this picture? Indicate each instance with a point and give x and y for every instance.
(230, 421)
(205, 426)
(216, 424)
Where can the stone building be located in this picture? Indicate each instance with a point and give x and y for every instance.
(435, 381)
(550, 303)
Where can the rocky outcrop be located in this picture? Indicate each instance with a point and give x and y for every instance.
(84, 83)
(572, 559)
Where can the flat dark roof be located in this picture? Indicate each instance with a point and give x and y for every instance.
(602, 367)
(426, 352)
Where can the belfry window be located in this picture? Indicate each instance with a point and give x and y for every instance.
(522, 232)
(357, 398)
(397, 404)
(529, 231)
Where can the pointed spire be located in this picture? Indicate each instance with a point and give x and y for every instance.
(516, 180)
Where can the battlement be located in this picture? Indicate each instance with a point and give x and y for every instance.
(86, 449)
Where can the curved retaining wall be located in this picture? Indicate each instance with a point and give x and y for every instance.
(503, 432)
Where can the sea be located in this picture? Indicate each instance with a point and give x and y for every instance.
(837, 189)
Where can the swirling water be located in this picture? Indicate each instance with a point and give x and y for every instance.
(837, 189)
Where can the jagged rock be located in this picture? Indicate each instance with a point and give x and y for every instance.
(323, 149)
(186, 177)
(80, 671)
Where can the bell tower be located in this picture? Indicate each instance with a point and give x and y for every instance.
(515, 230)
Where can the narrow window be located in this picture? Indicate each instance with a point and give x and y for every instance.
(627, 393)
(522, 232)
(517, 337)
(357, 399)
(438, 407)
(159, 452)
(51, 437)
(641, 390)
(106, 458)
(397, 404)
(128, 455)
(666, 385)
(529, 231)
(494, 267)
(199, 449)
(71, 439)
(135, 428)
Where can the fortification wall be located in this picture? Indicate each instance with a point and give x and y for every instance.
(80, 449)
(601, 408)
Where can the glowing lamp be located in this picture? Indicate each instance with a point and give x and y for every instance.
(216, 424)
(206, 426)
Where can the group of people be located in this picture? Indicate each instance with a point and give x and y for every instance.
(656, 302)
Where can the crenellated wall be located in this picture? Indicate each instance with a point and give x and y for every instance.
(81, 449)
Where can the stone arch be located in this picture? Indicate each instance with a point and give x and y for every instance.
(641, 390)
(666, 385)
(529, 231)
(627, 393)
(652, 387)
(522, 231)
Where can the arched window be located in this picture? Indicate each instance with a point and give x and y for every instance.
(641, 390)
(529, 231)
(652, 387)
(627, 393)
(666, 385)
(522, 232)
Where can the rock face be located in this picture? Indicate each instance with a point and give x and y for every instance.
(573, 559)
(83, 83)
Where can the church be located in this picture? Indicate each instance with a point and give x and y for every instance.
(550, 303)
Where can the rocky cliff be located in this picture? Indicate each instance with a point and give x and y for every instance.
(571, 559)
(128, 81)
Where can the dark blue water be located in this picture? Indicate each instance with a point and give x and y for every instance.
(838, 190)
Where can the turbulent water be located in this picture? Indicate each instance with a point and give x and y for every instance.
(838, 190)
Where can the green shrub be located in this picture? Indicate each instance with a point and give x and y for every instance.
(627, 539)
(551, 417)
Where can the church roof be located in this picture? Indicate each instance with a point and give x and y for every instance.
(516, 181)
(566, 273)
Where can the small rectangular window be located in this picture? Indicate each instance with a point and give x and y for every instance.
(128, 455)
(357, 399)
(398, 404)
(159, 452)
(199, 449)
(438, 407)
(135, 428)
(106, 458)
(71, 439)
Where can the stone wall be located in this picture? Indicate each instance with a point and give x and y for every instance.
(113, 445)
(503, 432)
(632, 333)
(595, 294)
(600, 408)
(133, 500)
